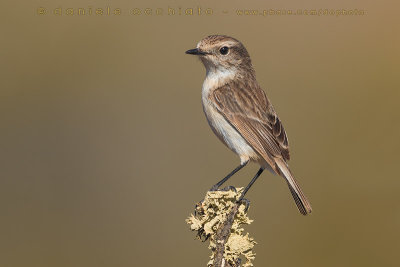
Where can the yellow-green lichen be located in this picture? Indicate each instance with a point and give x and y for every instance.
(211, 214)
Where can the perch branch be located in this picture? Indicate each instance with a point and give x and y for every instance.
(219, 218)
(222, 236)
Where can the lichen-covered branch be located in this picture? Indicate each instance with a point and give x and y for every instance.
(220, 218)
(222, 236)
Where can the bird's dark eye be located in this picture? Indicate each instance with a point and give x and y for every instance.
(224, 50)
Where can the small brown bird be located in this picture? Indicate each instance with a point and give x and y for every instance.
(240, 114)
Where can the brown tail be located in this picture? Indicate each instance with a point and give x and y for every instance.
(301, 201)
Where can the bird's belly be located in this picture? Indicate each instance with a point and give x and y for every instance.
(229, 135)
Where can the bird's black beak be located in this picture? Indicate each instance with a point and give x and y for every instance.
(195, 52)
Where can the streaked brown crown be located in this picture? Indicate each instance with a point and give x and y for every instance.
(237, 57)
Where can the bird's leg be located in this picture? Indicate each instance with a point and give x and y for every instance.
(250, 184)
(217, 185)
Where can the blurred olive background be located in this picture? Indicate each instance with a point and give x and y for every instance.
(105, 148)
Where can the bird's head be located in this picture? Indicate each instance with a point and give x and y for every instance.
(222, 53)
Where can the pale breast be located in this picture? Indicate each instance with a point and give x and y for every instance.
(223, 129)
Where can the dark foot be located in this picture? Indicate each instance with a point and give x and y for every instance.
(245, 202)
(214, 188)
(229, 188)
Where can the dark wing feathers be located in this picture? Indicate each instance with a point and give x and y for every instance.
(247, 108)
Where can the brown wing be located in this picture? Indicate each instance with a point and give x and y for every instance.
(248, 110)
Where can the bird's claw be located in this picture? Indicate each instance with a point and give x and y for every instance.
(245, 202)
(214, 188)
(229, 188)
